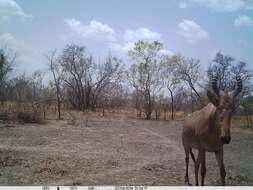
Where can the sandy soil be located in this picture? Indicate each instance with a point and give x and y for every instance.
(113, 150)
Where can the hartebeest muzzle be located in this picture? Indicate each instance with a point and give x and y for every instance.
(225, 139)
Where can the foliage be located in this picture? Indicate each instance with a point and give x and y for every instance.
(5, 68)
(153, 82)
(145, 74)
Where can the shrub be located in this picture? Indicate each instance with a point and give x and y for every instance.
(29, 117)
(4, 117)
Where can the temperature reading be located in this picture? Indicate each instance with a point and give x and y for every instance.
(73, 188)
(91, 188)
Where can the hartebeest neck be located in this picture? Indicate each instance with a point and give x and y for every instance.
(214, 115)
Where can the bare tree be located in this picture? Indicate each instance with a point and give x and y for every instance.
(85, 80)
(247, 107)
(158, 106)
(105, 76)
(138, 99)
(57, 76)
(188, 70)
(172, 80)
(21, 86)
(75, 63)
(226, 71)
(36, 85)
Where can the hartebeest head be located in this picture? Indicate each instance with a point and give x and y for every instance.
(225, 104)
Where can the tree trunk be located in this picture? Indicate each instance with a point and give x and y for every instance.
(192, 102)
(149, 107)
(59, 107)
(103, 111)
(156, 114)
(58, 100)
(149, 111)
(44, 111)
(172, 104)
(57, 86)
(148, 116)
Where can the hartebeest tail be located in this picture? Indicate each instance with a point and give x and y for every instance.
(208, 129)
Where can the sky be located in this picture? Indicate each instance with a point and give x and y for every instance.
(193, 28)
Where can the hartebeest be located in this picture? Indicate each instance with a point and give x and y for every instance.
(208, 129)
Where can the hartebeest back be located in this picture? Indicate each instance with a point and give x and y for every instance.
(208, 129)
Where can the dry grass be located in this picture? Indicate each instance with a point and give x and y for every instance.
(241, 121)
(12, 112)
(87, 149)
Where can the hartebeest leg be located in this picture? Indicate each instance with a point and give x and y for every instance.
(219, 158)
(187, 151)
(197, 163)
(203, 167)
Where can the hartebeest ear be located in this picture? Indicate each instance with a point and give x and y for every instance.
(213, 92)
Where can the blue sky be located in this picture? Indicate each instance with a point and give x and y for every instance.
(194, 28)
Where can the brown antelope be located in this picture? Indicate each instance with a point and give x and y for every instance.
(208, 129)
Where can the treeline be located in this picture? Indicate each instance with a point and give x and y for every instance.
(152, 82)
(83, 82)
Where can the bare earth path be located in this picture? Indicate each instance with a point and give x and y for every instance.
(111, 151)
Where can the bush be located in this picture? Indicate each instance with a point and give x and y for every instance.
(4, 117)
(29, 117)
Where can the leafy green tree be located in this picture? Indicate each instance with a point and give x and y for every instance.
(145, 74)
(172, 81)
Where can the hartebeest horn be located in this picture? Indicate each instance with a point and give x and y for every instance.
(213, 91)
(238, 88)
(215, 87)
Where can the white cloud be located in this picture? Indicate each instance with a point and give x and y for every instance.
(10, 8)
(183, 5)
(9, 41)
(222, 5)
(243, 21)
(166, 52)
(27, 59)
(94, 30)
(191, 31)
(131, 36)
(141, 34)
(242, 43)
(64, 37)
(118, 43)
(121, 48)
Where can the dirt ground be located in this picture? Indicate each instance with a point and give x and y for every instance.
(115, 150)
